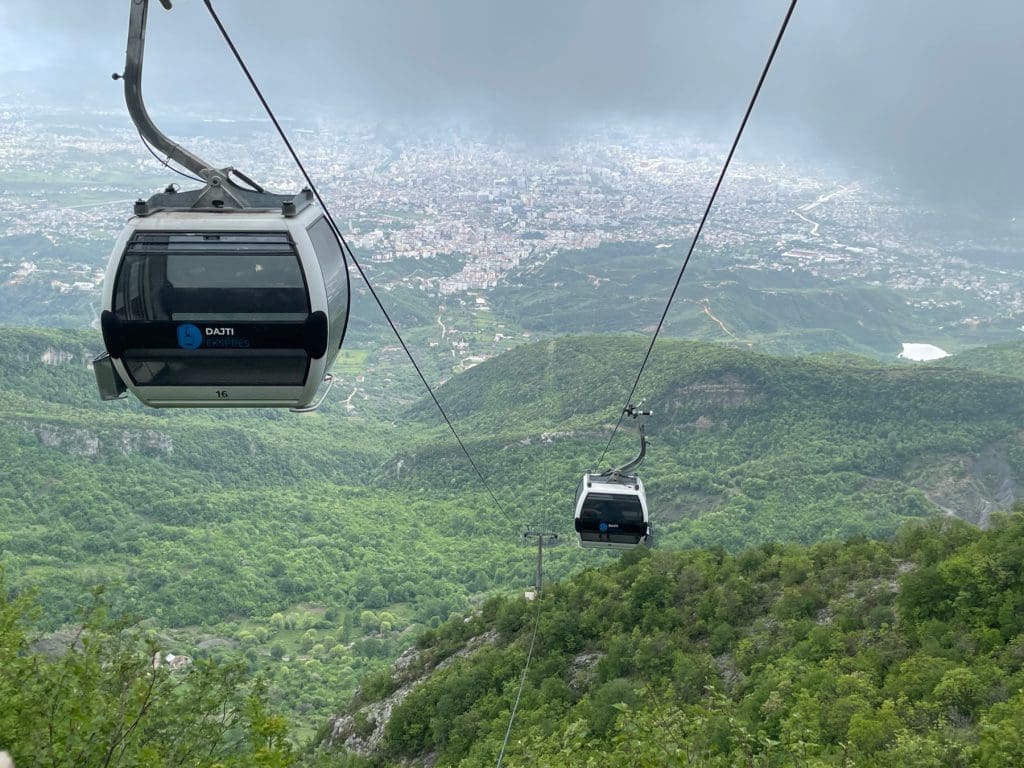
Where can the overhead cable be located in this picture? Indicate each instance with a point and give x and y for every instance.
(522, 683)
(703, 220)
(165, 162)
(345, 246)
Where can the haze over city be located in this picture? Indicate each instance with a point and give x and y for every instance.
(921, 93)
(499, 137)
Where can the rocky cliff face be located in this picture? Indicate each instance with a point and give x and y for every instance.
(362, 731)
(704, 404)
(83, 442)
(974, 487)
(77, 442)
(727, 392)
(53, 356)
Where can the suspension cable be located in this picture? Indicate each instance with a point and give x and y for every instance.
(522, 684)
(703, 220)
(345, 246)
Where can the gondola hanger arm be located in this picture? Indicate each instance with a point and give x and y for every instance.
(133, 95)
(636, 412)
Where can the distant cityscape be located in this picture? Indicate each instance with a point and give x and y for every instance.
(495, 205)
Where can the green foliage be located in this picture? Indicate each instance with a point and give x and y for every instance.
(782, 313)
(236, 533)
(772, 657)
(101, 701)
(1002, 737)
(1006, 359)
(746, 447)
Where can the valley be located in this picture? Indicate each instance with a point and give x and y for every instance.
(331, 541)
(797, 466)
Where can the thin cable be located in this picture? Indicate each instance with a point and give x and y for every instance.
(166, 162)
(522, 684)
(703, 220)
(345, 246)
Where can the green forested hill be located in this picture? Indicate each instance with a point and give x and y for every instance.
(249, 534)
(316, 547)
(900, 654)
(745, 447)
(622, 287)
(1006, 359)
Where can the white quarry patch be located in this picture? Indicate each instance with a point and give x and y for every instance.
(922, 352)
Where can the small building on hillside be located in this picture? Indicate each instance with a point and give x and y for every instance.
(176, 662)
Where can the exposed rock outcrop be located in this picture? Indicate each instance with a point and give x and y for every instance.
(83, 442)
(77, 442)
(972, 488)
(583, 670)
(54, 356)
(361, 731)
(148, 442)
(728, 392)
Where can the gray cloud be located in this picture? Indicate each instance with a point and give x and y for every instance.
(925, 91)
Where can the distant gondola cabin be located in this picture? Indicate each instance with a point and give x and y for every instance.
(611, 512)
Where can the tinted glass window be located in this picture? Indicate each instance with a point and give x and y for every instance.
(178, 276)
(612, 538)
(328, 252)
(612, 508)
(243, 294)
(335, 274)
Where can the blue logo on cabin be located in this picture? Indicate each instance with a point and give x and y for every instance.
(189, 336)
(603, 527)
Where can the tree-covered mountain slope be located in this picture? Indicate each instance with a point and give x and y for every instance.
(622, 287)
(257, 536)
(908, 652)
(317, 546)
(1006, 359)
(198, 517)
(745, 447)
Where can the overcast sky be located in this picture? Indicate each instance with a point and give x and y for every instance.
(925, 92)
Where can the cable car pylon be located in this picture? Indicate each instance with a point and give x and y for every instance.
(540, 536)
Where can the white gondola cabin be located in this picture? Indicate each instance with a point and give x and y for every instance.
(611, 512)
(222, 296)
(611, 506)
(223, 307)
